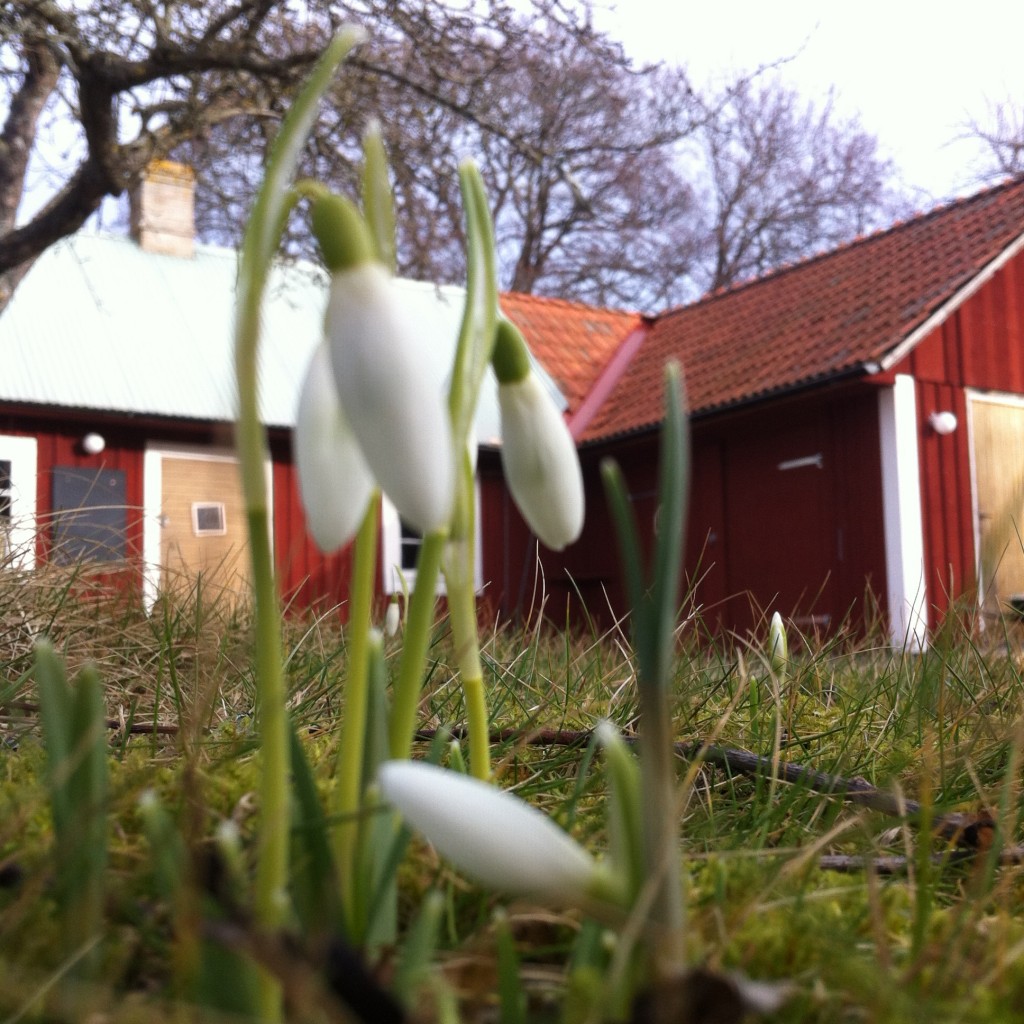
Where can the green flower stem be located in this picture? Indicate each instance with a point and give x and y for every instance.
(458, 571)
(472, 357)
(420, 619)
(654, 611)
(348, 787)
(660, 820)
(657, 760)
(270, 898)
(273, 204)
(476, 333)
(462, 609)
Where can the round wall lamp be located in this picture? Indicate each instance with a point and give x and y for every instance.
(93, 444)
(943, 422)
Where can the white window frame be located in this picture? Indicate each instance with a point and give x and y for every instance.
(206, 531)
(22, 453)
(391, 548)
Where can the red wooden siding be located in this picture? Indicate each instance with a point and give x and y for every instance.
(58, 443)
(990, 332)
(807, 541)
(945, 500)
(980, 346)
(306, 577)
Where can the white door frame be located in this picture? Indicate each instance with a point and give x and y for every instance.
(974, 395)
(152, 501)
(23, 454)
(901, 505)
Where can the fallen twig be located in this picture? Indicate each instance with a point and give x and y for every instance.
(160, 728)
(970, 832)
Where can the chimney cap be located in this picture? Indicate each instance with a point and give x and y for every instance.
(163, 208)
(169, 170)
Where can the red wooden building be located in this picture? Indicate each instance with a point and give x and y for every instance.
(858, 426)
(858, 430)
(117, 401)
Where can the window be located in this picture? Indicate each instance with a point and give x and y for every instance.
(401, 545)
(209, 519)
(90, 521)
(5, 494)
(410, 541)
(17, 501)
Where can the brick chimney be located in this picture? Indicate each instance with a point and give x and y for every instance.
(162, 210)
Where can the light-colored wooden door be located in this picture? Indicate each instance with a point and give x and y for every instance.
(997, 432)
(202, 525)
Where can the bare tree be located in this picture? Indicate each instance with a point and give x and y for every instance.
(135, 78)
(783, 179)
(1001, 134)
(609, 183)
(589, 159)
(576, 146)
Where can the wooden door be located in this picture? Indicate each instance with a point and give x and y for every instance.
(997, 439)
(202, 525)
(780, 531)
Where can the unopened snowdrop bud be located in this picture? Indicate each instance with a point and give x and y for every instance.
(537, 451)
(778, 646)
(335, 483)
(495, 838)
(392, 617)
(389, 388)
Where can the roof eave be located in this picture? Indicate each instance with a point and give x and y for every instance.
(902, 348)
(864, 370)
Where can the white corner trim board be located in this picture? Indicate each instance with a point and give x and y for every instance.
(18, 484)
(901, 509)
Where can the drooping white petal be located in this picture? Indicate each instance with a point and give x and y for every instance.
(335, 483)
(541, 464)
(391, 394)
(494, 837)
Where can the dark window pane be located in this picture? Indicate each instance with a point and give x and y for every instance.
(210, 518)
(90, 515)
(5, 474)
(411, 542)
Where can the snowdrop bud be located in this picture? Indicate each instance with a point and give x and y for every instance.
(537, 451)
(388, 386)
(392, 617)
(495, 838)
(335, 483)
(778, 646)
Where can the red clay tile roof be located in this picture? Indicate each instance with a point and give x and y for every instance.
(573, 342)
(831, 315)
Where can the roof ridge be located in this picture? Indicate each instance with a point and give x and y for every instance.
(572, 303)
(943, 208)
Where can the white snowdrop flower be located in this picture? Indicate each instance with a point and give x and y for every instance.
(493, 837)
(538, 454)
(383, 371)
(335, 484)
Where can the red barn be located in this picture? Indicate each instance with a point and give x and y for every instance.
(117, 401)
(858, 425)
(858, 429)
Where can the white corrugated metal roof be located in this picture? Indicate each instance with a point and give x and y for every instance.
(100, 324)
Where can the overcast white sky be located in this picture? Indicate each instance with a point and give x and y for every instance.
(914, 72)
